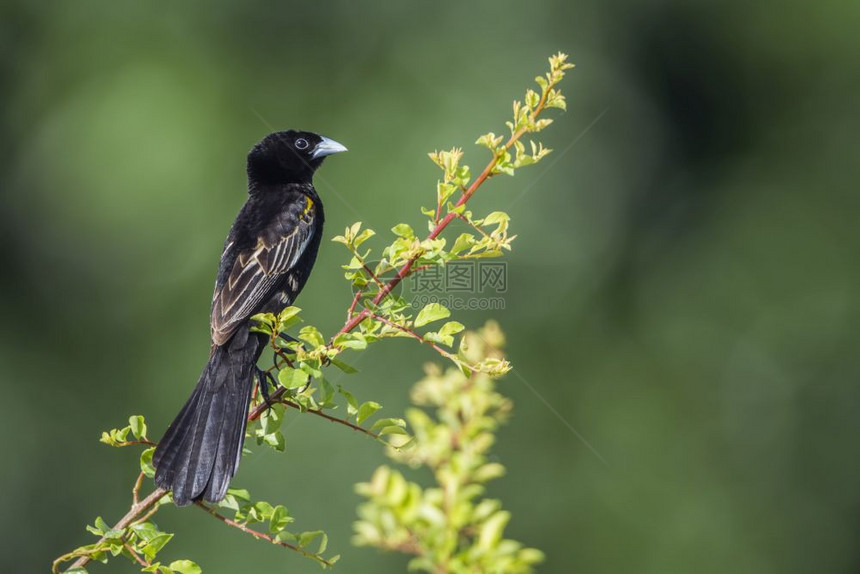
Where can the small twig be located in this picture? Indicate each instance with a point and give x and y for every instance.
(472, 225)
(55, 566)
(278, 396)
(320, 413)
(365, 267)
(372, 275)
(142, 441)
(135, 492)
(136, 556)
(414, 335)
(259, 535)
(146, 516)
(279, 353)
(351, 309)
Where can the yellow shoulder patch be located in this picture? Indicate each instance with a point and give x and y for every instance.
(308, 207)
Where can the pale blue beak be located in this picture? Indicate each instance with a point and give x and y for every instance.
(327, 147)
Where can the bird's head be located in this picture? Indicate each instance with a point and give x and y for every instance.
(289, 157)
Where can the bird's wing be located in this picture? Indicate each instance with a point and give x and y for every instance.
(257, 273)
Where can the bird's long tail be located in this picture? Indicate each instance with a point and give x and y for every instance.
(200, 451)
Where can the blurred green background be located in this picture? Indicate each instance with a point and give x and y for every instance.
(684, 289)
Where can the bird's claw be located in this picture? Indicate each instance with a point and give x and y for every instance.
(287, 339)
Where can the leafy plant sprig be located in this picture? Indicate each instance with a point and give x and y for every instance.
(447, 527)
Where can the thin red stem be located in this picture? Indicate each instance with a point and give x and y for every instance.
(412, 334)
(260, 535)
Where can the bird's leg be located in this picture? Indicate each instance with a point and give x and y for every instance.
(288, 339)
(263, 378)
(305, 387)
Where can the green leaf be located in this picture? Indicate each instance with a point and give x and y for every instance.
(343, 366)
(439, 338)
(145, 530)
(151, 548)
(287, 318)
(289, 313)
(431, 312)
(326, 393)
(444, 191)
(263, 323)
(229, 502)
(491, 531)
(185, 567)
(99, 528)
(312, 335)
(138, 426)
(293, 378)
(387, 422)
(306, 538)
(261, 511)
(463, 242)
(451, 328)
(488, 472)
(312, 367)
(271, 419)
(122, 434)
(495, 218)
(276, 441)
(279, 520)
(351, 403)
(366, 410)
(146, 466)
(403, 230)
(489, 141)
(363, 236)
(355, 341)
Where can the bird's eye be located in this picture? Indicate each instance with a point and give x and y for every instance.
(302, 143)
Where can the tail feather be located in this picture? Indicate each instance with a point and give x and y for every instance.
(230, 445)
(200, 451)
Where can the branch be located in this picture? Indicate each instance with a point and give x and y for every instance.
(322, 414)
(259, 535)
(277, 396)
(351, 309)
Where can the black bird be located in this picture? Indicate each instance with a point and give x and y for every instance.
(266, 261)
